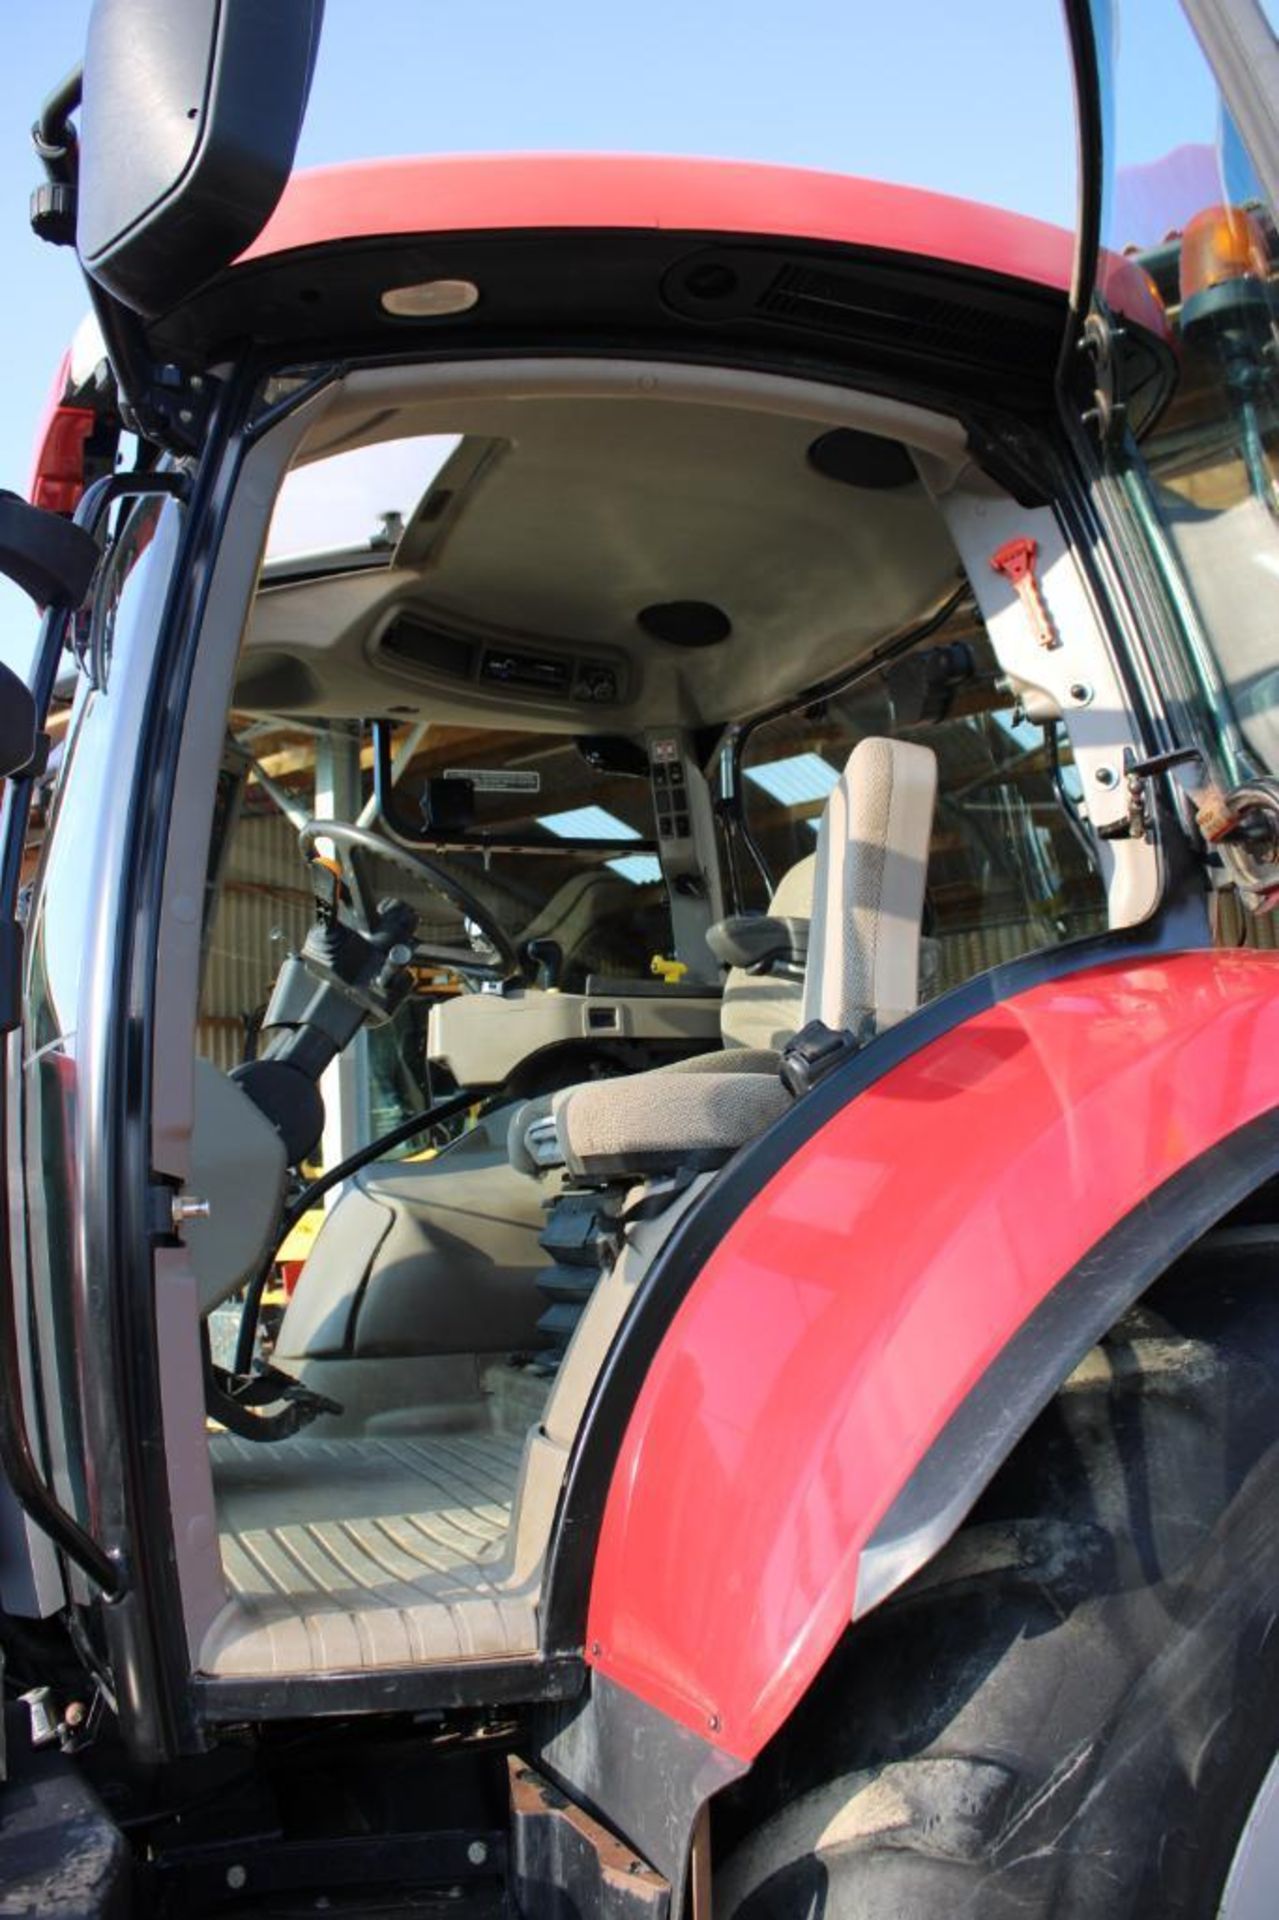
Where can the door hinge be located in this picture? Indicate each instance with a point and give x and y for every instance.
(1106, 411)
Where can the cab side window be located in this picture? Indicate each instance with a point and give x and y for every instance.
(1011, 867)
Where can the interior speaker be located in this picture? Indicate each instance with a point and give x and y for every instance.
(862, 460)
(686, 623)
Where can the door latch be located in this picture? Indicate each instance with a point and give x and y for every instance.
(1135, 824)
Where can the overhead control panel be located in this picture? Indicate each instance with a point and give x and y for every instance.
(553, 674)
(670, 788)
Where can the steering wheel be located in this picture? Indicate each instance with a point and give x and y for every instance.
(356, 845)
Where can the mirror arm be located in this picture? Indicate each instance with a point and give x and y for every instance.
(53, 135)
(159, 401)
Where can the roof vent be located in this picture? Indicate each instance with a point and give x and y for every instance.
(900, 316)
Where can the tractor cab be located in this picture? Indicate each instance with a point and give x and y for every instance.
(612, 824)
(693, 765)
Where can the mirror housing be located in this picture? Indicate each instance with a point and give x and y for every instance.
(19, 723)
(50, 558)
(189, 121)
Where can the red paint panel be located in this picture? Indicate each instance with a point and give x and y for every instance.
(863, 1292)
(57, 452)
(57, 481)
(494, 192)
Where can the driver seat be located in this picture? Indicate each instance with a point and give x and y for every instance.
(861, 975)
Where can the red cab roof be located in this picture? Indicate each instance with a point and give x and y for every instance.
(502, 192)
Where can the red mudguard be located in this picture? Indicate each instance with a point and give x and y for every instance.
(862, 1294)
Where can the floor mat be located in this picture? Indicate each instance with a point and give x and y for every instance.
(352, 1554)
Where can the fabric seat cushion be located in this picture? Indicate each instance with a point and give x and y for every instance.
(693, 1114)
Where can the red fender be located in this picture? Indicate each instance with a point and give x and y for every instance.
(861, 1295)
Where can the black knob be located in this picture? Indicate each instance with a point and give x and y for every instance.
(547, 957)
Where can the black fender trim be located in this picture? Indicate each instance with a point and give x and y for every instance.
(246, 1699)
(1046, 1349)
(642, 1773)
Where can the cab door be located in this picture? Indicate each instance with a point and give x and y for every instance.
(1189, 140)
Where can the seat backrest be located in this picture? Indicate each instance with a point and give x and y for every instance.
(868, 886)
(765, 1009)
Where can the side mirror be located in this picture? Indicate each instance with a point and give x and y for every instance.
(53, 560)
(48, 557)
(18, 723)
(189, 121)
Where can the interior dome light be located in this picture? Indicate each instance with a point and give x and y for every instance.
(431, 299)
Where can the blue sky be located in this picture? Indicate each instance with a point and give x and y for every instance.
(973, 99)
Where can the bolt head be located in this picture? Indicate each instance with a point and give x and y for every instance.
(236, 1878)
(477, 1853)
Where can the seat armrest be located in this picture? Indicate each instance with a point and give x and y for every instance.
(760, 942)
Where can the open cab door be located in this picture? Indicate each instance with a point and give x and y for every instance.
(1181, 174)
(188, 118)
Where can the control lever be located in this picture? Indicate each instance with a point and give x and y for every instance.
(397, 956)
(548, 958)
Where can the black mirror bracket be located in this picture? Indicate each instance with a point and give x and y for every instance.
(53, 203)
(162, 402)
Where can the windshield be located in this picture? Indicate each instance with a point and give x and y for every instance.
(605, 908)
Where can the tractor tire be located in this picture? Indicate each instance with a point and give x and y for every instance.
(1072, 1712)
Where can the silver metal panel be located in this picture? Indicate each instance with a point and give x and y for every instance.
(1253, 1883)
